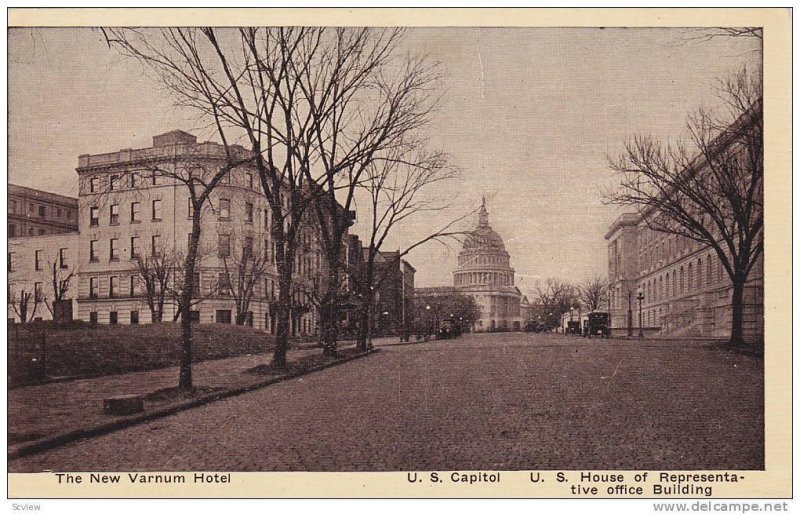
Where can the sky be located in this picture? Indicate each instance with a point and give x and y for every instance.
(527, 116)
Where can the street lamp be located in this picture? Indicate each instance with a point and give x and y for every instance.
(630, 314)
(640, 297)
(428, 315)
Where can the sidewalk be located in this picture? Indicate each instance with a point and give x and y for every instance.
(43, 411)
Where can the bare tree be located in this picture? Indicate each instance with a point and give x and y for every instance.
(554, 298)
(400, 186)
(708, 33)
(154, 271)
(710, 190)
(243, 271)
(431, 310)
(593, 292)
(199, 292)
(25, 304)
(364, 103)
(60, 279)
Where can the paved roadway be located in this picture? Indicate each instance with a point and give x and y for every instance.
(493, 401)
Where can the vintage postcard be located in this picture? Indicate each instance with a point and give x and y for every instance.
(498, 253)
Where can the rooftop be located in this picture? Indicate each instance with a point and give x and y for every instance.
(42, 196)
(624, 220)
(176, 143)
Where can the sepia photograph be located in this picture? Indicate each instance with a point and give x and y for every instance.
(427, 250)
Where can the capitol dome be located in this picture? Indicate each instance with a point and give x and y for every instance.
(484, 238)
(483, 260)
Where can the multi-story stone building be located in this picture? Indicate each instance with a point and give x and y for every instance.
(394, 294)
(32, 212)
(131, 206)
(41, 269)
(395, 298)
(623, 265)
(685, 289)
(484, 272)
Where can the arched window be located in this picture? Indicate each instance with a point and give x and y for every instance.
(709, 270)
(690, 281)
(699, 274)
(674, 283)
(681, 289)
(661, 288)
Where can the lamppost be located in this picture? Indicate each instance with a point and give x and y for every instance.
(428, 315)
(630, 314)
(640, 297)
(384, 322)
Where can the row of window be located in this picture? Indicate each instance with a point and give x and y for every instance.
(113, 317)
(672, 284)
(304, 263)
(12, 231)
(135, 287)
(667, 248)
(38, 259)
(483, 260)
(484, 278)
(42, 210)
(303, 324)
(134, 180)
(135, 208)
(135, 216)
(686, 279)
(125, 181)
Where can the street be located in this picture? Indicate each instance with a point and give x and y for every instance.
(505, 401)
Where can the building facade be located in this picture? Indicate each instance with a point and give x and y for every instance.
(685, 289)
(485, 273)
(32, 212)
(41, 269)
(131, 207)
(395, 295)
(623, 271)
(393, 312)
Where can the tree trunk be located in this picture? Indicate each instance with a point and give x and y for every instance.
(282, 329)
(630, 317)
(362, 334)
(240, 318)
(737, 315)
(185, 377)
(362, 341)
(329, 309)
(328, 326)
(185, 306)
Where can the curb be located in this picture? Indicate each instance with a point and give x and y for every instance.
(86, 433)
(90, 376)
(409, 343)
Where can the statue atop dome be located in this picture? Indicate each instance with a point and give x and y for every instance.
(483, 214)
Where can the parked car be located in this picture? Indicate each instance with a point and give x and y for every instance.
(597, 324)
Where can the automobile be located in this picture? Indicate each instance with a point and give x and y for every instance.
(574, 327)
(597, 324)
(448, 330)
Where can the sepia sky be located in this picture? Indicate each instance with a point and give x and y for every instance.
(528, 116)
